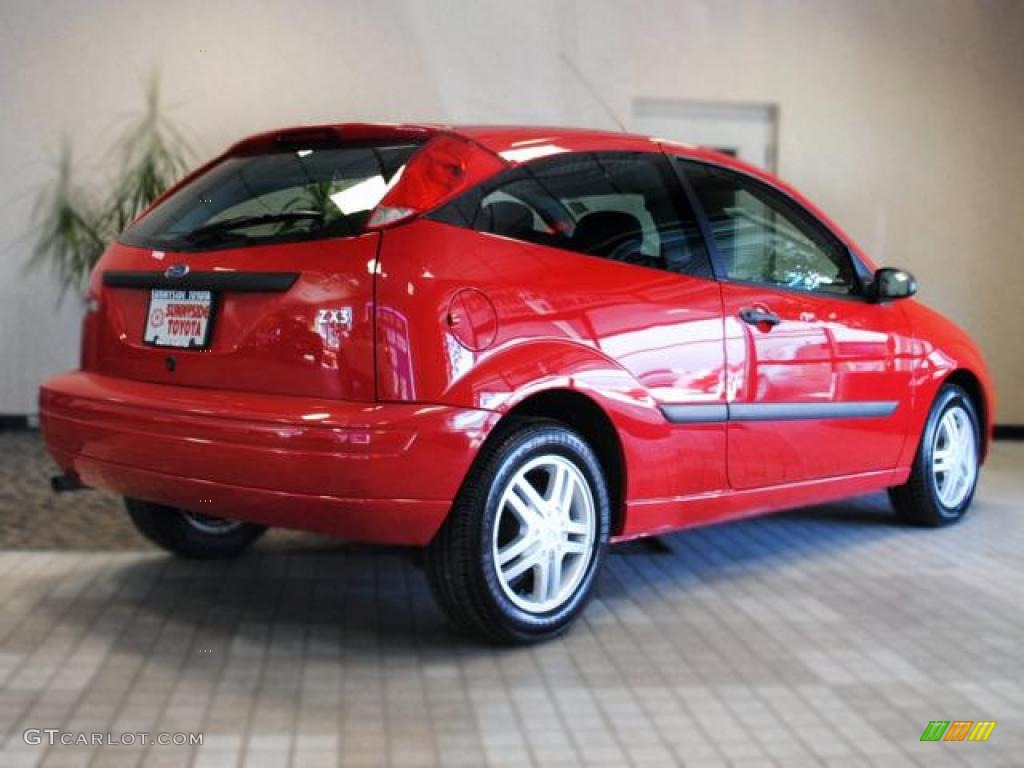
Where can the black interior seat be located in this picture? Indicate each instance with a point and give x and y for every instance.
(615, 235)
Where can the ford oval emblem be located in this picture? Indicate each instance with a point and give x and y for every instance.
(176, 270)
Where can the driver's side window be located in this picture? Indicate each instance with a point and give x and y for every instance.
(762, 237)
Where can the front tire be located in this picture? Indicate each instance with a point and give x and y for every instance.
(517, 558)
(189, 534)
(945, 471)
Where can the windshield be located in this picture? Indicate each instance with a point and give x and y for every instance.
(278, 197)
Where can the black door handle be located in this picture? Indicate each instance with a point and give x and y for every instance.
(754, 316)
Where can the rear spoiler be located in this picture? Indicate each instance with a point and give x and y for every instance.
(313, 136)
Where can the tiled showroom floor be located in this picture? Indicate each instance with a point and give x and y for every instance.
(827, 636)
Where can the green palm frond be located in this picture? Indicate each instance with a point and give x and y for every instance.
(152, 154)
(71, 233)
(73, 225)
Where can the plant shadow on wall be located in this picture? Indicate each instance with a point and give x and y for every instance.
(74, 221)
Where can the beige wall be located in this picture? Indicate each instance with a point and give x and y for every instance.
(902, 119)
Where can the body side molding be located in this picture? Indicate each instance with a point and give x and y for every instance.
(696, 414)
(704, 414)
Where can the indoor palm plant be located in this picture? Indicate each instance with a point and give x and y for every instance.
(74, 222)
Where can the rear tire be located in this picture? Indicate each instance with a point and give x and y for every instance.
(191, 535)
(517, 558)
(944, 476)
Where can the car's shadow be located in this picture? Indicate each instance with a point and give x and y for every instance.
(751, 548)
(321, 597)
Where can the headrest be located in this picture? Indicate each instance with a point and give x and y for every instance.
(613, 234)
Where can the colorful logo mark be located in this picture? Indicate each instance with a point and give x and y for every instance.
(958, 730)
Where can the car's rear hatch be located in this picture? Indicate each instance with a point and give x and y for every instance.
(256, 273)
(290, 318)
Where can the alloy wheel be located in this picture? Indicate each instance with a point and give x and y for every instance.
(954, 457)
(544, 533)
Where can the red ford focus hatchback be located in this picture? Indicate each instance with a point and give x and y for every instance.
(510, 346)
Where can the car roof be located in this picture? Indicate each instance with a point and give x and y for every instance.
(502, 139)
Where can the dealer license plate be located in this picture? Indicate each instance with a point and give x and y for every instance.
(179, 319)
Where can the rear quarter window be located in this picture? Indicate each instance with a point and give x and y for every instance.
(622, 206)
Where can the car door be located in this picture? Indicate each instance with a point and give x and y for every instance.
(818, 377)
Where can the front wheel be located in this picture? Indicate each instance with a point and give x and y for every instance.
(517, 558)
(190, 534)
(945, 471)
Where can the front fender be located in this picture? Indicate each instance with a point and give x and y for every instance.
(942, 350)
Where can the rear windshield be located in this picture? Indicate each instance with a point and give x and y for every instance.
(282, 196)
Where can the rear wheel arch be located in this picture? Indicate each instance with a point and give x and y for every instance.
(585, 416)
(484, 563)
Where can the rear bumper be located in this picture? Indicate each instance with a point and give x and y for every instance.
(374, 472)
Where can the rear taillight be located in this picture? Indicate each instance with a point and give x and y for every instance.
(444, 167)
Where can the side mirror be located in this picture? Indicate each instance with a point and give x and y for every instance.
(892, 283)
